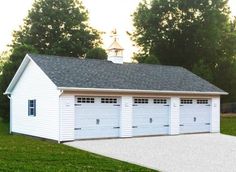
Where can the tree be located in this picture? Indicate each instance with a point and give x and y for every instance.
(8, 71)
(96, 53)
(225, 68)
(197, 35)
(203, 70)
(55, 27)
(144, 58)
(3, 58)
(180, 32)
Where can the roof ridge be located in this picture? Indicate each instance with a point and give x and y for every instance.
(147, 64)
(71, 57)
(80, 58)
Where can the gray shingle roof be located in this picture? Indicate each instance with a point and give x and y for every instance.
(89, 73)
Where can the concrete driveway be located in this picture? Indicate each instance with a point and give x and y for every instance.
(183, 153)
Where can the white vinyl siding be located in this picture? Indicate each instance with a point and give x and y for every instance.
(174, 115)
(126, 116)
(35, 85)
(215, 115)
(67, 117)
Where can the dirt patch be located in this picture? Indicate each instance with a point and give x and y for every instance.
(228, 114)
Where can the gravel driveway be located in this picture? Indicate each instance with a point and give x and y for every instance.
(183, 153)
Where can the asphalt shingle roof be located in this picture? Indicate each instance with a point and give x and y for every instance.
(91, 73)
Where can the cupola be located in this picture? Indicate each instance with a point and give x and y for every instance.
(115, 51)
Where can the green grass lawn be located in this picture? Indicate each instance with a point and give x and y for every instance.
(22, 153)
(228, 125)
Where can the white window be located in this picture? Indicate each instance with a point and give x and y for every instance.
(202, 101)
(141, 101)
(108, 100)
(31, 107)
(85, 100)
(186, 101)
(159, 101)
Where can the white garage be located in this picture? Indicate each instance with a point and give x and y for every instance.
(195, 115)
(150, 116)
(97, 117)
(66, 98)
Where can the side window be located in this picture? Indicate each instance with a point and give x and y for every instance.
(31, 107)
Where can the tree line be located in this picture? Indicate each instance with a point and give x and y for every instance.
(199, 35)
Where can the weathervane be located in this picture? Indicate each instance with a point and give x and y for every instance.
(114, 34)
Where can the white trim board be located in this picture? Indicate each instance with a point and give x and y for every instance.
(140, 91)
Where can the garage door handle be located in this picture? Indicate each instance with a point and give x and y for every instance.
(181, 105)
(77, 128)
(135, 105)
(166, 105)
(207, 123)
(166, 125)
(116, 127)
(135, 127)
(116, 105)
(181, 125)
(208, 105)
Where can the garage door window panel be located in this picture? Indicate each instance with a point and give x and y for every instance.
(109, 100)
(202, 101)
(186, 101)
(159, 101)
(85, 100)
(140, 101)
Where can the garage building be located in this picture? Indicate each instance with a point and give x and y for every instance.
(66, 98)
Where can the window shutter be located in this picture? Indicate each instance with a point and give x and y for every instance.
(28, 107)
(34, 107)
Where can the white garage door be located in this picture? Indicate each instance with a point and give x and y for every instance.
(195, 115)
(150, 116)
(96, 117)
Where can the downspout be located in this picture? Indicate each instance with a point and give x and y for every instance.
(10, 129)
(59, 122)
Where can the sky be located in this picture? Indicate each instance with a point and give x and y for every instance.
(105, 15)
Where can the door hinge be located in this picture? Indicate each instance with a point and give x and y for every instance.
(134, 126)
(77, 128)
(166, 125)
(116, 127)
